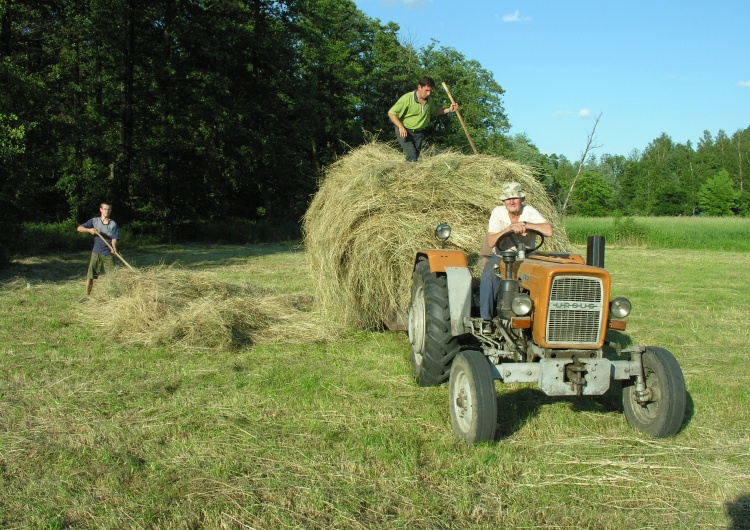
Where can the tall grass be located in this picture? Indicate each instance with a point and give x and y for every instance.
(336, 435)
(699, 233)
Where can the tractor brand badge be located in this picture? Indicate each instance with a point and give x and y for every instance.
(587, 306)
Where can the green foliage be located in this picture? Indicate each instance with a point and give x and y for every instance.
(223, 231)
(51, 238)
(188, 112)
(212, 113)
(12, 137)
(743, 203)
(474, 88)
(717, 196)
(670, 200)
(666, 178)
(592, 196)
(38, 239)
(12, 146)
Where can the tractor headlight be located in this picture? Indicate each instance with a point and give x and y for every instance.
(443, 231)
(521, 304)
(619, 307)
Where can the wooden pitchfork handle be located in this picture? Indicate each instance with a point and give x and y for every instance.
(112, 249)
(461, 119)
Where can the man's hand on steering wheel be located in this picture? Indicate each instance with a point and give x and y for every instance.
(513, 236)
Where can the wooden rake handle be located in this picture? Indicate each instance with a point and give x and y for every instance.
(112, 249)
(461, 119)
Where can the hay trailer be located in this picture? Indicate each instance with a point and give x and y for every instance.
(553, 317)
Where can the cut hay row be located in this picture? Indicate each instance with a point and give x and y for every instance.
(161, 306)
(373, 211)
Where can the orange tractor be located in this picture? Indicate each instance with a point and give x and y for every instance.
(553, 315)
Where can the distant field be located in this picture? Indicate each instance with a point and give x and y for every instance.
(336, 435)
(700, 233)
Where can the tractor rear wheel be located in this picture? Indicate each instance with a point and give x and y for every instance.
(473, 401)
(661, 415)
(432, 345)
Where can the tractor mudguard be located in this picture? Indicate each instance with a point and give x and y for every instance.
(454, 265)
(439, 259)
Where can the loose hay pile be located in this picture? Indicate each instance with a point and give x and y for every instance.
(374, 211)
(169, 306)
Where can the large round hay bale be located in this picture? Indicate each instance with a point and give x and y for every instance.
(374, 210)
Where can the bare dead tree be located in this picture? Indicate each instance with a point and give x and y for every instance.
(589, 147)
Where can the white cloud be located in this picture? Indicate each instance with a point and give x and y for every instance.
(745, 83)
(417, 4)
(583, 113)
(515, 17)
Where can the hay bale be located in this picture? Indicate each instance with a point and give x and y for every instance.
(374, 210)
(161, 305)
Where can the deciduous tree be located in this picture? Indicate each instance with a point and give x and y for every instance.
(717, 196)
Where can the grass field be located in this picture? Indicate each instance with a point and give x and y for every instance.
(698, 233)
(94, 434)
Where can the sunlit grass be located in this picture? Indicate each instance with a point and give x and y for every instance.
(94, 434)
(700, 233)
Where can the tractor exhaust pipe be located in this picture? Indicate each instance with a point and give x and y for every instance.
(595, 251)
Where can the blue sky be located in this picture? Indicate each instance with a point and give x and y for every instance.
(662, 66)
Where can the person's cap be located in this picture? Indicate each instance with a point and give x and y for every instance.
(512, 190)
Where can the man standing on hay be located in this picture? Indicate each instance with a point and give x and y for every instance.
(411, 115)
(512, 216)
(106, 233)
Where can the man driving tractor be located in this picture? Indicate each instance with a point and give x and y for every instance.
(513, 216)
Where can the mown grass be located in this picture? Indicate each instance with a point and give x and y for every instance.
(336, 435)
(699, 233)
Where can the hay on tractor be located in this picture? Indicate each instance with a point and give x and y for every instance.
(374, 210)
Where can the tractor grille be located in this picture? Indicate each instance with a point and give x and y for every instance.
(575, 310)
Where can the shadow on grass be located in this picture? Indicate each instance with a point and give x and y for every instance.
(738, 511)
(518, 407)
(69, 267)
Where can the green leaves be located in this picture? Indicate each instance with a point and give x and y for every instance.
(12, 137)
(717, 196)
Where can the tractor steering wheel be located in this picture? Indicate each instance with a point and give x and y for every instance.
(514, 239)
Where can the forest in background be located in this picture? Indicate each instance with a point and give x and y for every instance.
(206, 111)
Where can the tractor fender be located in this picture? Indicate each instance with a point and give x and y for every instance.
(458, 278)
(441, 258)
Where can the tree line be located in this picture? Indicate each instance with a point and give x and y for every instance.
(664, 179)
(205, 110)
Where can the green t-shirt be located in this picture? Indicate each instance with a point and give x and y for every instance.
(412, 113)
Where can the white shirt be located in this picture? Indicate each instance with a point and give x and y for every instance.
(500, 220)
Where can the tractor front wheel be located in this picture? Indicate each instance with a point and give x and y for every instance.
(432, 345)
(473, 401)
(662, 411)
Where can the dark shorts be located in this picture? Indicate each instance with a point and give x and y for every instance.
(99, 263)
